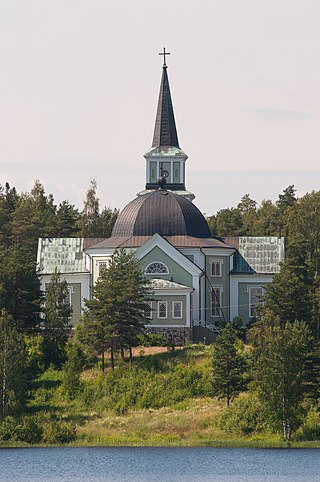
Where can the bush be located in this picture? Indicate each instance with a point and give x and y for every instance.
(152, 339)
(244, 416)
(26, 429)
(59, 432)
(310, 428)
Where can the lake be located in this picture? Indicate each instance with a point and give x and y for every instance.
(151, 464)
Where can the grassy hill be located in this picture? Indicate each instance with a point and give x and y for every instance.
(162, 399)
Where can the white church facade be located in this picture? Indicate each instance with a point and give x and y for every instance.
(198, 281)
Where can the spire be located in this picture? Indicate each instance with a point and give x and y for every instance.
(165, 132)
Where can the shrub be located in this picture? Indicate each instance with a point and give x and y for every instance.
(59, 432)
(152, 339)
(310, 428)
(26, 429)
(244, 416)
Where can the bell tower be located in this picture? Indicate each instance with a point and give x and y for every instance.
(165, 158)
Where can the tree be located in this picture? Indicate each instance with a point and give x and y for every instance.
(229, 222)
(116, 313)
(280, 376)
(93, 223)
(55, 328)
(65, 222)
(72, 369)
(13, 366)
(228, 365)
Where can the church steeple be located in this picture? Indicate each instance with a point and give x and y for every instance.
(165, 131)
(165, 158)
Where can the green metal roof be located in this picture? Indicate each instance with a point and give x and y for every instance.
(64, 254)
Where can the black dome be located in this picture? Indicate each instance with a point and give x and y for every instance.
(161, 212)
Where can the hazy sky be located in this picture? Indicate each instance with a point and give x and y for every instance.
(79, 82)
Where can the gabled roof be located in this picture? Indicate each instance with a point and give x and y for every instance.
(165, 131)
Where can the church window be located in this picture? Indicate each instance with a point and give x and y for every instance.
(153, 171)
(255, 294)
(162, 309)
(156, 268)
(102, 266)
(69, 295)
(176, 172)
(148, 310)
(216, 301)
(215, 268)
(177, 309)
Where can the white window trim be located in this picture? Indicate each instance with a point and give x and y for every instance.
(220, 301)
(166, 304)
(177, 317)
(250, 288)
(154, 262)
(220, 262)
(105, 262)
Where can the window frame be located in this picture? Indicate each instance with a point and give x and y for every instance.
(216, 262)
(181, 310)
(251, 305)
(219, 307)
(165, 303)
(155, 273)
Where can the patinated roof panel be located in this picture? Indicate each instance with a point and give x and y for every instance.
(64, 254)
(260, 254)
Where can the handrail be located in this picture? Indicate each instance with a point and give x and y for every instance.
(208, 326)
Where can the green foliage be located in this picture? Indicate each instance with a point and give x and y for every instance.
(55, 327)
(151, 339)
(280, 355)
(34, 346)
(228, 365)
(310, 427)
(243, 417)
(154, 382)
(93, 223)
(13, 368)
(25, 429)
(116, 313)
(57, 432)
(72, 369)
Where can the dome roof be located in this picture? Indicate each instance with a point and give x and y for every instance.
(161, 212)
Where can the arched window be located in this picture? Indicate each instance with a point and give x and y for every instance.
(156, 268)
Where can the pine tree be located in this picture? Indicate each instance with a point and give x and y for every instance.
(13, 366)
(228, 365)
(72, 369)
(116, 314)
(55, 326)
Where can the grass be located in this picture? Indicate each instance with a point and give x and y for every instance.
(190, 422)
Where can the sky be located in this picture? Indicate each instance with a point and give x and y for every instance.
(79, 82)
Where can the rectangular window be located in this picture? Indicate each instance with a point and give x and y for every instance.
(69, 295)
(177, 309)
(215, 270)
(148, 311)
(216, 302)
(153, 172)
(162, 309)
(176, 172)
(255, 294)
(102, 266)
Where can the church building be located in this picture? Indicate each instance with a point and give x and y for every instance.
(198, 281)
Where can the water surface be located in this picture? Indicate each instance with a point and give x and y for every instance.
(148, 464)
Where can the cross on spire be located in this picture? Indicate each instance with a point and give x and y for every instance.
(164, 53)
